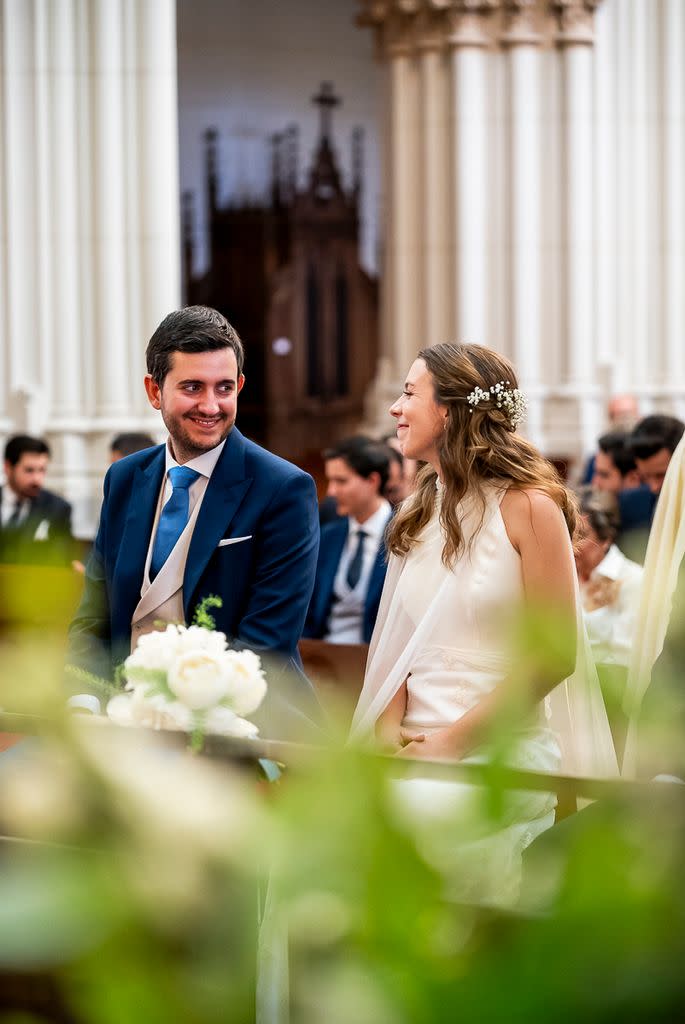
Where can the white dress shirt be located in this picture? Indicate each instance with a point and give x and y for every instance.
(611, 627)
(346, 619)
(9, 503)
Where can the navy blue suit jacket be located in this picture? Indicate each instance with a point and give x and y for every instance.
(265, 582)
(333, 538)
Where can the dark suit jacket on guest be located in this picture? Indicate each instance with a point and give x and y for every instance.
(265, 582)
(636, 506)
(333, 538)
(44, 535)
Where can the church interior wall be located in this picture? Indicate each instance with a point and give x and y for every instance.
(250, 70)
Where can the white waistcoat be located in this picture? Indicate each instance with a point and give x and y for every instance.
(162, 599)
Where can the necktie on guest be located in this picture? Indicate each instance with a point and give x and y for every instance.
(354, 569)
(173, 518)
(15, 518)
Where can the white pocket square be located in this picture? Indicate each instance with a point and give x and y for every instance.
(42, 530)
(233, 540)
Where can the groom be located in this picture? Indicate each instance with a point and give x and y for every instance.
(209, 512)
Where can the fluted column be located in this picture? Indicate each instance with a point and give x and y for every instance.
(436, 192)
(19, 318)
(673, 207)
(574, 40)
(156, 91)
(468, 40)
(63, 331)
(404, 191)
(522, 41)
(89, 244)
(109, 165)
(607, 338)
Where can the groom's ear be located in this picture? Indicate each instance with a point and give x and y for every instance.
(153, 392)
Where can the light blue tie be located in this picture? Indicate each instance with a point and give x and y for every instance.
(174, 516)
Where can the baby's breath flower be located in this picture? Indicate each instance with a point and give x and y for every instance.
(503, 396)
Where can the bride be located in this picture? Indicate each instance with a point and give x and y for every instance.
(486, 535)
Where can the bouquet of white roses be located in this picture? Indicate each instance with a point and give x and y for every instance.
(187, 678)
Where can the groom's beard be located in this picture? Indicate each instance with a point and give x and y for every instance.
(190, 438)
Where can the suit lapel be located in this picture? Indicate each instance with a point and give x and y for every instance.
(135, 539)
(377, 577)
(227, 486)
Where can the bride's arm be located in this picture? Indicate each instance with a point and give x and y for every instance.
(389, 722)
(537, 530)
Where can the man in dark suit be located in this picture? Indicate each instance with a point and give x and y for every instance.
(35, 526)
(616, 471)
(351, 568)
(209, 512)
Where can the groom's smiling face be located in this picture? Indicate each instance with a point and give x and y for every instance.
(198, 400)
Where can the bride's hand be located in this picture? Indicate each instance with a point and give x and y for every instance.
(407, 737)
(439, 746)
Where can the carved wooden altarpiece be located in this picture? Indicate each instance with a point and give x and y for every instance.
(287, 275)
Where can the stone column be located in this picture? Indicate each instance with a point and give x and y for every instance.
(606, 220)
(574, 39)
(673, 207)
(521, 40)
(20, 322)
(89, 249)
(436, 192)
(109, 206)
(402, 279)
(468, 40)
(404, 190)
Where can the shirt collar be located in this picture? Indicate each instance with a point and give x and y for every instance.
(203, 464)
(611, 566)
(375, 524)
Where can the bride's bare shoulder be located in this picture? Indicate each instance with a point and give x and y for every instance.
(530, 510)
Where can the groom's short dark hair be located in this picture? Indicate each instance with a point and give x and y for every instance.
(191, 329)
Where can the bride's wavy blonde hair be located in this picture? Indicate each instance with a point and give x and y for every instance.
(479, 446)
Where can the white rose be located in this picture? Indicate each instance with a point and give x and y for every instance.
(154, 712)
(119, 709)
(224, 722)
(198, 678)
(156, 650)
(246, 682)
(197, 638)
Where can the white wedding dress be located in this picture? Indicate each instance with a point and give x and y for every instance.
(446, 632)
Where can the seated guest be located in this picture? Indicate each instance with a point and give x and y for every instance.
(616, 471)
(35, 524)
(351, 566)
(397, 488)
(652, 443)
(610, 587)
(622, 414)
(127, 444)
(615, 468)
(409, 466)
(609, 582)
(328, 508)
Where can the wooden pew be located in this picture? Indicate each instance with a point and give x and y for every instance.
(337, 673)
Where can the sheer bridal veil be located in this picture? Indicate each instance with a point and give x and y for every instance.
(578, 715)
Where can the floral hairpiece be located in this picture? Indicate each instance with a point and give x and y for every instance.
(505, 397)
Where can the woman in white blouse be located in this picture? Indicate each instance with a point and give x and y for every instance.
(609, 582)
(610, 587)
